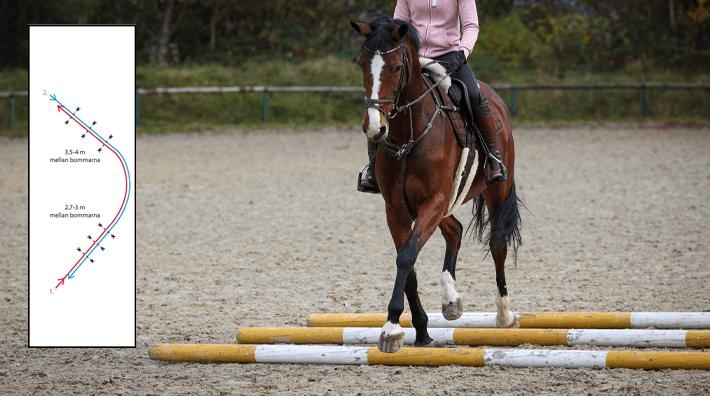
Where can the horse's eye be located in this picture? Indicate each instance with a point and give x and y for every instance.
(397, 68)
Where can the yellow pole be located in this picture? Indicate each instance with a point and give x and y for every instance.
(658, 360)
(204, 353)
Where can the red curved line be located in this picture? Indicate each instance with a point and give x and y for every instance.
(123, 202)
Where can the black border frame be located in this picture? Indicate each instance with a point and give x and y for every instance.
(135, 196)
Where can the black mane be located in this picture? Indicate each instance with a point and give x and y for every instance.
(381, 38)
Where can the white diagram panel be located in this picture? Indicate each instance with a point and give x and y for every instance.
(82, 186)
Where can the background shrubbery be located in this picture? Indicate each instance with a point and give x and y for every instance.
(298, 42)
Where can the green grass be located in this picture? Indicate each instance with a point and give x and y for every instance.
(197, 112)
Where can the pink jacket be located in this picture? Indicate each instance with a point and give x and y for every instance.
(437, 22)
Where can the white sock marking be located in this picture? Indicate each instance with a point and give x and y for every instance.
(448, 289)
(504, 318)
(391, 328)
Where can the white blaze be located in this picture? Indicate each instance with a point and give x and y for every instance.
(373, 115)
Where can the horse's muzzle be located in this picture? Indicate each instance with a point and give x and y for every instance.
(376, 125)
(378, 135)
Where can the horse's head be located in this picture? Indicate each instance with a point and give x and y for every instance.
(384, 63)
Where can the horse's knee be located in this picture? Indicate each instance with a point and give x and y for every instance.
(407, 256)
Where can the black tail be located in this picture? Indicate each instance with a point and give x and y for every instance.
(506, 217)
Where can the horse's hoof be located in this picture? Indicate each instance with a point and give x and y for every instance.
(507, 319)
(453, 310)
(426, 340)
(391, 338)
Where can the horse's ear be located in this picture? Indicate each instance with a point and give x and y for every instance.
(361, 27)
(400, 31)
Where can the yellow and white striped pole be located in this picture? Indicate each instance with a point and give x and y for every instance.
(358, 355)
(551, 320)
(478, 337)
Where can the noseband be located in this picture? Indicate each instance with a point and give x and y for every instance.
(375, 103)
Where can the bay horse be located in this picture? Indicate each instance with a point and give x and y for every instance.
(416, 163)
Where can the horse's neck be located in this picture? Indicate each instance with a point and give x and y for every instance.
(413, 90)
(415, 85)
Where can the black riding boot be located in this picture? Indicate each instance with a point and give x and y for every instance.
(493, 168)
(366, 180)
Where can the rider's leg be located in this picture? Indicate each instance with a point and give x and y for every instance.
(483, 116)
(367, 181)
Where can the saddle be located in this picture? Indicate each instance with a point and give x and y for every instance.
(451, 93)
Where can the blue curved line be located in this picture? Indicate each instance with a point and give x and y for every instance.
(128, 194)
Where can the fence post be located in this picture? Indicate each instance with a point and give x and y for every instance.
(11, 116)
(138, 108)
(513, 100)
(265, 104)
(644, 100)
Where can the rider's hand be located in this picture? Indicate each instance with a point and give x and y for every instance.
(456, 62)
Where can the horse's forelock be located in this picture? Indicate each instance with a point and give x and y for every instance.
(381, 38)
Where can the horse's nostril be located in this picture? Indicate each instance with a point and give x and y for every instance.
(383, 129)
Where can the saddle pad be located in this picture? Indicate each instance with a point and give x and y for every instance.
(465, 173)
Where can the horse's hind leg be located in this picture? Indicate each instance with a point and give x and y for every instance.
(502, 203)
(451, 306)
(504, 316)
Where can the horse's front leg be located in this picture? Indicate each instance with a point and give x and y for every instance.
(419, 317)
(408, 242)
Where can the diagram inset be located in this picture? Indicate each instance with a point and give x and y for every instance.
(82, 186)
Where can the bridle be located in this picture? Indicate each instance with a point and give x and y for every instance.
(403, 76)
